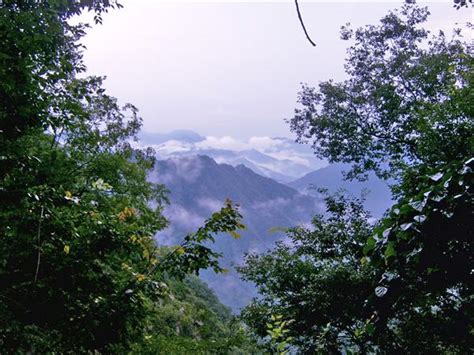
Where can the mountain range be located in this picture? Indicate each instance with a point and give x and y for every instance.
(275, 157)
(376, 192)
(199, 186)
(270, 182)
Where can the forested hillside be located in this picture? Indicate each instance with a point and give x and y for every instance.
(105, 241)
(191, 320)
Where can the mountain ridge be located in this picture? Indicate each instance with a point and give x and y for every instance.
(377, 192)
(199, 186)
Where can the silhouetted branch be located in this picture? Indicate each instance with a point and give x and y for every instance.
(38, 261)
(302, 24)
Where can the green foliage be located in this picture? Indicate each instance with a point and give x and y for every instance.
(79, 266)
(190, 319)
(407, 101)
(182, 260)
(422, 254)
(278, 333)
(404, 112)
(315, 280)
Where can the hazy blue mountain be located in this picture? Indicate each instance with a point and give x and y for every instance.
(278, 158)
(199, 186)
(378, 197)
(281, 170)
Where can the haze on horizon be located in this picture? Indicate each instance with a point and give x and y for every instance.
(228, 69)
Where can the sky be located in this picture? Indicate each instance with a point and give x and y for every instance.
(225, 68)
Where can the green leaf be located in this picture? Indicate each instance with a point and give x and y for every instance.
(369, 245)
(370, 328)
(390, 250)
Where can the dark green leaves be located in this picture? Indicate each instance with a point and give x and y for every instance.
(406, 100)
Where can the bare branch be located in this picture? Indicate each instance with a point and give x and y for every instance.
(38, 261)
(302, 24)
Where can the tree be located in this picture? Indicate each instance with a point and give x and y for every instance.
(406, 102)
(457, 3)
(191, 319)
(78, 260)
(315, 281)
(404, 112)
(422, 255)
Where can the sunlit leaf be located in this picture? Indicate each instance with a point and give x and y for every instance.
(380, 291)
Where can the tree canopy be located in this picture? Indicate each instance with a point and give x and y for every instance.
(79, 265)
(315, 281)
(403, 284)
(407, 99)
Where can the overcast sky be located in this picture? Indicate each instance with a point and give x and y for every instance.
(222, 68)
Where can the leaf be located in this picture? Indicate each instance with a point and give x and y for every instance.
(359, 332)
(180, 250)
(369, 245)
(418, 205)
(66, 249)
(390, 250)
(405, 226)
(380, 291)
(448, 214)
(370, 328)
(235, 235)
(469, 161)
(437, 176)
(420, 218)
(386, 233)
(437, 198)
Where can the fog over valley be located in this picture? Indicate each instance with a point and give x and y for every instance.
(273, 180)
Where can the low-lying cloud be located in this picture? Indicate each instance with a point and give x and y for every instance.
(282, 150)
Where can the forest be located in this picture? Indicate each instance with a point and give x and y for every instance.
(82, 272)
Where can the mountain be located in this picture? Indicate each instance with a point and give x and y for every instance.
(199, 186)
(281, 170)
(378, 195)
(190, 319)
(278, 158)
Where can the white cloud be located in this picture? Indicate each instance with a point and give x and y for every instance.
(276, 203)
(292, 156)
(180, 218)
(289, 159)
(264, 143)
(225, 142)
(212, 205)
(187, 167)
(172, 147)
(260, 143)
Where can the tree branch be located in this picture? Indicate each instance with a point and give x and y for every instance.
(38, 261)
(302, 24)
